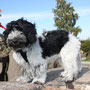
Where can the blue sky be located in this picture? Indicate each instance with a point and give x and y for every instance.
(40, 12)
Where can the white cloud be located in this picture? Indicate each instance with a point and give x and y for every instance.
(83, 11)
(35, 16)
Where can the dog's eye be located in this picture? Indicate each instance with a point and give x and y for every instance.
(21, 33)
(17, 27)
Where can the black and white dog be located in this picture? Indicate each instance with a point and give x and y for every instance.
(34, 52)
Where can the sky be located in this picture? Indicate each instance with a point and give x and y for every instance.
(40, 13)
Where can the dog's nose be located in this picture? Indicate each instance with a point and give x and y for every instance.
(13, 42)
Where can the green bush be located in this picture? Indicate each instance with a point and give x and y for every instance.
(85, 45)
(3, 49)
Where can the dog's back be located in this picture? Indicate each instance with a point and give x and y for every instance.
(53, 42)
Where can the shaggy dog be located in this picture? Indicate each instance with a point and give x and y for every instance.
(34, 52)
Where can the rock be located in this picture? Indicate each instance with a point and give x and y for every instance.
(29, 86)
(56, 64)
(53, 64)
(24, 86)
(54, 79)
(14, 70)
(9, 69)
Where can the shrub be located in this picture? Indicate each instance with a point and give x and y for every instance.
(85, 45)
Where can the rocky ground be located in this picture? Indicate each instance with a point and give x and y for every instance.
(53, 80)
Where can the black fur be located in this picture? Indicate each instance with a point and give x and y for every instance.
(23, 54)
(53, 42)
(26, 27)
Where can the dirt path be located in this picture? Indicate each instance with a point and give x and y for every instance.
(54, 79)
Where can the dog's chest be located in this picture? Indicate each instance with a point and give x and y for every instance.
(34, 56)
(31, 55)
(18, 58)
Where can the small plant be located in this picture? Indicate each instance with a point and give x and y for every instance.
(85, 46)
(3, 49)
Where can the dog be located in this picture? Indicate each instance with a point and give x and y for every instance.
(34, 52)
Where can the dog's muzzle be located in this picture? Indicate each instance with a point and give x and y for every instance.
(16, 43)
(13, 42)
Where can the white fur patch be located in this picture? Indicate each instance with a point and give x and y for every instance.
(71, 58)
(15, 34)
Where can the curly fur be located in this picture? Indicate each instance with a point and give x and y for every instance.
(27, 28)
(34, 52)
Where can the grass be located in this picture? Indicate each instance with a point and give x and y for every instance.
(87, 60)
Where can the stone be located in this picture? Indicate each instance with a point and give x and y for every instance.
(53, 64)
(9, 69)
(14, 70)
(24, 86)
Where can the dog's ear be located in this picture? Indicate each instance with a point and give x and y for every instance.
(32, 34)
(31, 38)
(9, 27)
(28, 29)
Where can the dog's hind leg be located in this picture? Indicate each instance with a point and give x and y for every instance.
(70, 55)
(70, 70)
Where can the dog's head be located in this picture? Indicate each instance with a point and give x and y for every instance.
(19, 34)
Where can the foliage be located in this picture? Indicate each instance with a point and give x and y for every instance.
(65, 18)
(3, 49)
(85, 45)
(87, 60)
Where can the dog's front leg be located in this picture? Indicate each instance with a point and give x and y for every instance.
(27, 76)
(40, 74)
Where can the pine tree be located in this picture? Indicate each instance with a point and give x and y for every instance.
(65, 17)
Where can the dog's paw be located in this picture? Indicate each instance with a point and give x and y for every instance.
(23, 79)
(63, 74)
(38, 81)
(67, 77)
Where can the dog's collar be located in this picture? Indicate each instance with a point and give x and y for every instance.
(23, 54)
